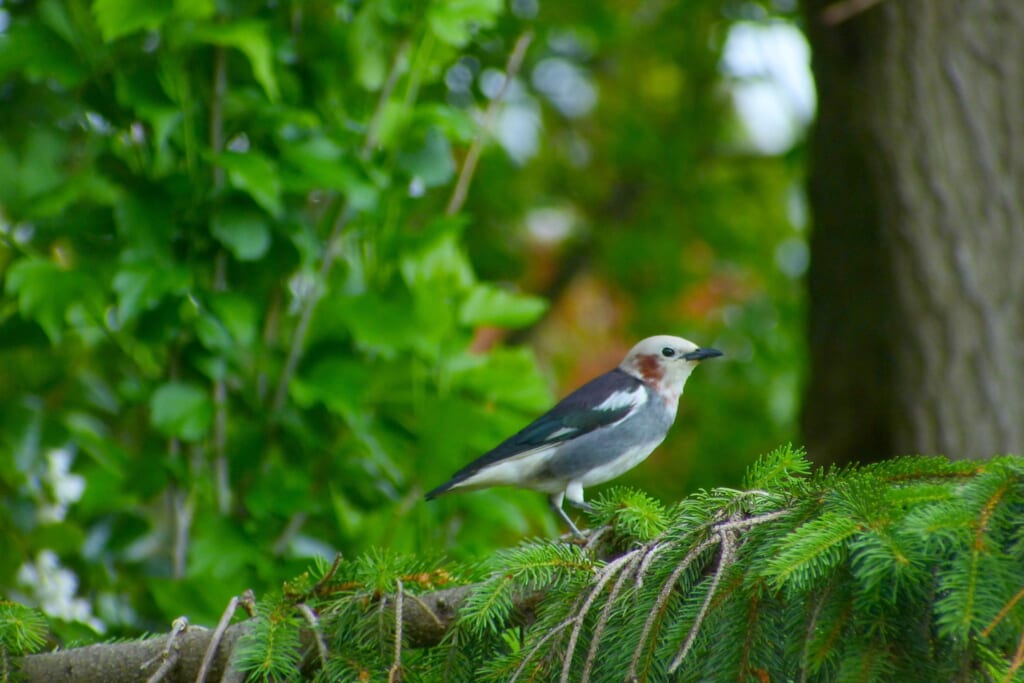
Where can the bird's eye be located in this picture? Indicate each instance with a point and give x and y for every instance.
(668, 352)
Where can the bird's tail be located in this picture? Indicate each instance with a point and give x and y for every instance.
(440, 490)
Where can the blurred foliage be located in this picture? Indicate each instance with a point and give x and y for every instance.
(239, 328)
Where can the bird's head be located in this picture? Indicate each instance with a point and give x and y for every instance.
(665, 362)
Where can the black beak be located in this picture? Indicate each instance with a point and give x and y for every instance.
(702, 354)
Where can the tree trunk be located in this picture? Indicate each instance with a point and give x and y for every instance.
(917, 187)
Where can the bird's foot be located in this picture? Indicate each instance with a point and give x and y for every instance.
(556, 505)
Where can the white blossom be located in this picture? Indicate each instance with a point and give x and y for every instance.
(53, 587)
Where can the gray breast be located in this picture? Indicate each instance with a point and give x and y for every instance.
(572, 460)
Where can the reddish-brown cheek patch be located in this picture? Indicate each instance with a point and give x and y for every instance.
(650, 368)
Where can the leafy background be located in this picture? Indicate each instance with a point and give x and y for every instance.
(245, 320)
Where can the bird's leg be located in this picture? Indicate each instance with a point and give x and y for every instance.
(574, 494)
(555, 501)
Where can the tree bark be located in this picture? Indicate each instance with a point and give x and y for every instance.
(135, 660)
(917, 187)
(425, 622)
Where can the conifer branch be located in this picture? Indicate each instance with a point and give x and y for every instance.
(603, 577)
(728, 550)
(871, 572)
(659, 604)
(602, 622)
(1016, 662)
(648, 560)
(540, 643)
(1002, 613)
(314, 626)
(812, 625)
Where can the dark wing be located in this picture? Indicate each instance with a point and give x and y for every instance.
(600, 402)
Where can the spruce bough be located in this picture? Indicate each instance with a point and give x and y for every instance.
(910, 569)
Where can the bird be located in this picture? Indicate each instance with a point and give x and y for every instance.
(602, 429)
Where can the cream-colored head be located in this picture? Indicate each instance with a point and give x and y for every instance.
(664, 363)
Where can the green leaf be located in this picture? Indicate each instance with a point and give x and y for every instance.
(42, 161)
(368, 49)
(432, 161)
(249, 37)
(182, 410)
(338, 383)
(87, 188)
(320, 161)
(508, 377)
(144, 225)
(47, 292)
(194, 9)
(244, 232)
(456, 124)
(238, 315)
(438, 264)
(489, 305)
(141, 283)
(40, 54)
(455, 21)
(256, 175)
(215, 337)
(382, 321)
(118, 18)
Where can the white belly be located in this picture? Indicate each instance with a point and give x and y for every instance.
(627, 461)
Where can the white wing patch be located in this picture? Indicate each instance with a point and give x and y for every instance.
(622, 399)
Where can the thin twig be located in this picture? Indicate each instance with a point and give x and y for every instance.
(314, 624)
(177, 502)
(286, 536)
(515, 61)
(169, 654)
(603, 577)
(373, 127)
(841, 11)
(558, 629)
(663, 596)
(395, 674)
(1003, 612)
(1018, 660)
(596, 535)
(645, 563)
(606, 613)
(182, 505)
(220, 85)
(328, 575)
(248, 601)
(726, 555)
(537, 646)
(220, 395)
(748, 522)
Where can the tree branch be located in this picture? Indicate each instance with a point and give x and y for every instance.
(515, 61)
(123, 662)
